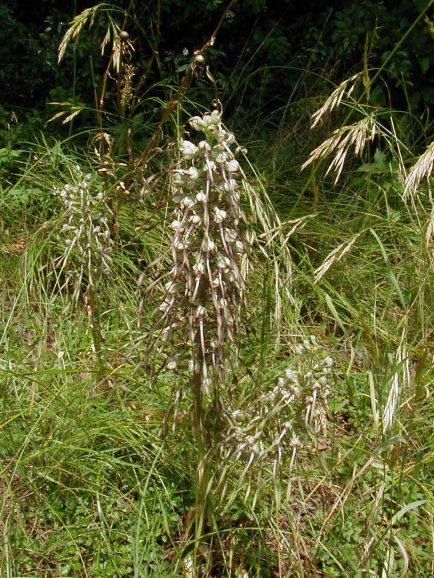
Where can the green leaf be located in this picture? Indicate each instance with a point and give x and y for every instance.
(424, 64)
(406, 509)
(335, 313)
(391, 274)
(379, 165)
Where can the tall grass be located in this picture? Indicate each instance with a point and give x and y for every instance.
(304, 450)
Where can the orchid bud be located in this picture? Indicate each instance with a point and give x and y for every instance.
(195, 219)
(188, 150)
(219, 215)
(232, 166)
(204, 146)
(199, 267)
(201, 198)
(193, 173)
(187, 202)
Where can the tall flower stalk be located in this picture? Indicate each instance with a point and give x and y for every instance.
(205, 293)
(86, 257)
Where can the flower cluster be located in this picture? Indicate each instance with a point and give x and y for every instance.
(265, 429)
(85, 233)
(202, 300)
(314, 382)
(276, 421)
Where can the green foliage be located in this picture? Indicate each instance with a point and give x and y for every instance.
(90, 488)
(271, 45)
(381, 28)
(315, 471)
(28, 55)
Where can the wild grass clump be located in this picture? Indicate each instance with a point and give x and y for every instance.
(195, 384)
(311, 443)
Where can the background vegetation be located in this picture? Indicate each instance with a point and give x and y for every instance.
(303, 444)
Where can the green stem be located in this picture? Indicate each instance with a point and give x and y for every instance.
(95, 326)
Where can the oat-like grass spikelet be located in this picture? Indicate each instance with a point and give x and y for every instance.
(422, 169)
(357, 134)
(334, 100)
(78, 23)
(123, 49)
(400, 379)
(430, 26)
(334, 256)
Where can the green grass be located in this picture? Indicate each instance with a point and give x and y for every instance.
(90, 487)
